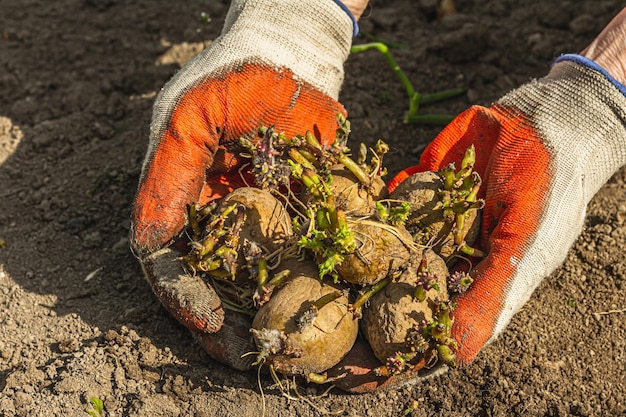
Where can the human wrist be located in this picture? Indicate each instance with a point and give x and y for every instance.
(356, 7)
(607, 49)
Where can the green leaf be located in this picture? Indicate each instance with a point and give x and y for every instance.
(314, 242)
(381, 212)
(399, 215)
(328, 266)
(344, 239)
(97, 405)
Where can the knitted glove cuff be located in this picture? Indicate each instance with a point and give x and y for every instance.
(354, 22)
(579, 111)
(310, 38)
(592, 65)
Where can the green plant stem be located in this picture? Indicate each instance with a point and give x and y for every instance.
(193, 220)
(298, 157)
(322, 220)
(312, 158)
(279, 278)
(470, 251)
(472, 197)
(415, 99)
(262, 274)
(312, 140)
(447, 356)
(441, 95)
(317, 378)
(469, 158)
(419, 293)
(354, 168)
(384, 49)
(459, 226)
(369, 293)
(333, 215)
(325, 299)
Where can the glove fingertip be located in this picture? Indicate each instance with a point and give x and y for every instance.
(232, 344)
(474, 324)
(187, 297)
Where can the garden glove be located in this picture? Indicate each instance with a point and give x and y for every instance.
(277, 63)
(543, 151)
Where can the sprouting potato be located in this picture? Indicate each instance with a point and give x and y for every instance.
(381, 250)
(353, 243)
(378, 249)
(267, 222)
(352, 197)
(395, 311)
(221, 236)
(298, 335)
(426, 220)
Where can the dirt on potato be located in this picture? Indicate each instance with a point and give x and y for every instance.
(294, 334)
(353, 198)
(380, 252)
(78, 80)
(426, 221)
(394, 312)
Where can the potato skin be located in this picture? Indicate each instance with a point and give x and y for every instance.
(394, 311)
(352, 197)
(379, 252)
(268, 223)
(421, 190)
(321, 345)
(267, 219)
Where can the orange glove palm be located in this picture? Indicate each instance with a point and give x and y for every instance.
(277, 63)
(196, 158)
(542, 151)
(516, 167)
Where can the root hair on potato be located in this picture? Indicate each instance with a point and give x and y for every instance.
(412, 246)
(287, 200)
(245, 307)
(275, 258)
(283, 216)
(361, 237)
(463, 258)
(243, 177)
(260, 384)
(285, 389)
(286, 386)
(312, 404)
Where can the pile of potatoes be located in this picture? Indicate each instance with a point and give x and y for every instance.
(317, 251)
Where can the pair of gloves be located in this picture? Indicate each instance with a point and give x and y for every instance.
(543, 151)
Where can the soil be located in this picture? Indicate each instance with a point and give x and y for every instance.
(77, 319)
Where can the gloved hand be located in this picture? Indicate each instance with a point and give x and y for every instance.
(543, 151)
(277, 63)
